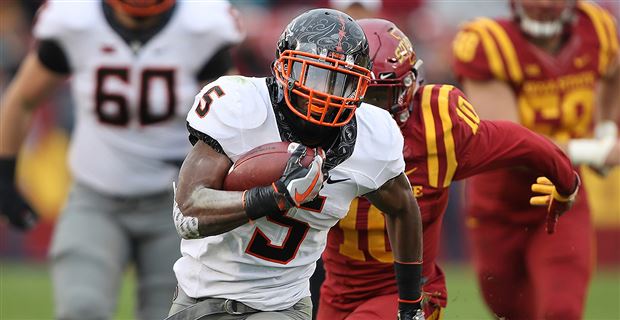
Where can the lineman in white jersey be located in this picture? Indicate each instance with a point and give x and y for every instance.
(249, 255)
(135, 67)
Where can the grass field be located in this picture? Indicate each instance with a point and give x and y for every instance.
(25, 293)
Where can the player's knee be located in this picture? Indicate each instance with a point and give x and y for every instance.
(83, 305)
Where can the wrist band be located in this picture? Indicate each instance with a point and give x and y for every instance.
(260, 202)
(408, 276)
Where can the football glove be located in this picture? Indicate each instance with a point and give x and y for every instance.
(601, 152)
(297, 185)
(12, 204)
(556, 203)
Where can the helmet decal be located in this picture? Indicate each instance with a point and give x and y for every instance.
(404, 47)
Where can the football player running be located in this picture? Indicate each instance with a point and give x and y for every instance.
(249, 255)
(554, 68)
(444, 141)
(135, 66)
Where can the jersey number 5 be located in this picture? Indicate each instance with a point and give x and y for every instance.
(113, 108)
(261, 247)
(205, 102)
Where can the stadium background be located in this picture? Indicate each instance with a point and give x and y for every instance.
(25, 289)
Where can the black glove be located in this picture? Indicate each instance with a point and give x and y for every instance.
(297, 185)
(407, 313)
(12, 204)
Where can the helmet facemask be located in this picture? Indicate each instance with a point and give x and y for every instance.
(322, 65)
(393, 95)
(324, 89)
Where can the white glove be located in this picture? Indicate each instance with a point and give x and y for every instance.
(595, 151)
(606, 130)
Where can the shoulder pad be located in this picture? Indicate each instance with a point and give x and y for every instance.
(378, 154)
(605, 28)
(208, 17)
(443, 106)
(443, 110)
(382, 139)
(55, 18)
(228, 105)
(486, 47)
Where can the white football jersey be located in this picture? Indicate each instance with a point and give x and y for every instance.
(131, 104)
(267, 264)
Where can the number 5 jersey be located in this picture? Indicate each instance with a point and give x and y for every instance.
(266, 264)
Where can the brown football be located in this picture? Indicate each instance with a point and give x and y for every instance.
(261, 166)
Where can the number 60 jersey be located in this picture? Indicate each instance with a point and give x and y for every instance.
(266, 264)
(131, 96)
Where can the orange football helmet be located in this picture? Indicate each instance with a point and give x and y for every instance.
(142, 8)
(322, 65)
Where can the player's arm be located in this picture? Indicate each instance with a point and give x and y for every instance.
(404, 227)
(500, 144)
(201, 209)
(487, 145)
(603, 150)
(484, 145)
(495, 100)
(31, 85)
(608, 102)
(608, 95)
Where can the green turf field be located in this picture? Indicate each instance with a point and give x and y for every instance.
(25, 293)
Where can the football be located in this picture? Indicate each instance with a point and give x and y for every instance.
(262, 165)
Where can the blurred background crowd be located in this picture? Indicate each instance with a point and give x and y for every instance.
(431, 24)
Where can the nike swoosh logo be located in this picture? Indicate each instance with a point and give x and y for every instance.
(331, 181)
(300, 197)
(411, 171)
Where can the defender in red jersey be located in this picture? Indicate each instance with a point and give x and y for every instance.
(542, 68)
(444, 141)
